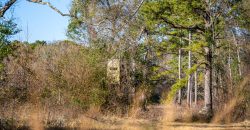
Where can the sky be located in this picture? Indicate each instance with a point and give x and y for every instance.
(39, 22)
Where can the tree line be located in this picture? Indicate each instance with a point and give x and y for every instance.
(196, 51)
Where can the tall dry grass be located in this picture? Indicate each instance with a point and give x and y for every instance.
(236, 104)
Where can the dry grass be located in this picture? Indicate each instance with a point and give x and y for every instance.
(227, 112)
(35, 121)
(92, 119)
(137, 103)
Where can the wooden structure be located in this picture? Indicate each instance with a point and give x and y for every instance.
(113, 71)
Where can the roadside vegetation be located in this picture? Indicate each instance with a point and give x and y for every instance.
(179, 63)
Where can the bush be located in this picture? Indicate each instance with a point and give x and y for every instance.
(61, 74)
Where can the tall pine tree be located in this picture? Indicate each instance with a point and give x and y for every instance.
(204, 18)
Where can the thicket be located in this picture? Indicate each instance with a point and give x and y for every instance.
(52, 77)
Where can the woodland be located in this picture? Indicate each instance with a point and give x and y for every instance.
(130, 64)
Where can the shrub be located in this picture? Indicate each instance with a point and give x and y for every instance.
(60, 74)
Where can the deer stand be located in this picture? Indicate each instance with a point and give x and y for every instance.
(120, 85)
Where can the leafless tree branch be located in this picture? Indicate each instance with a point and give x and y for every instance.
(6, 7)
(137, 9)
(51, 6)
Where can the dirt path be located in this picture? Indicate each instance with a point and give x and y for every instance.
(141, 124)
(153, 119)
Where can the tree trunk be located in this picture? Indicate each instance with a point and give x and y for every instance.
(179, 67)
(208, 84)
(238, 53)
(90, 28)
(229, 63)
(189, 87)
(195, 87)
(220, 80)
(239, 61)
(209, 31)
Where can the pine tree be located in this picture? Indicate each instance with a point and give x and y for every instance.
(202, 18)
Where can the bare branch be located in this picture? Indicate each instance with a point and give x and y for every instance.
(51, 6)
(6, 7)
(137, 9)
(130, 17)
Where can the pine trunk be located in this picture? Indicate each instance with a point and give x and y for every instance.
(209, 31)
(189, 87)
(195, 87)
(208, 84)
(179, 67)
